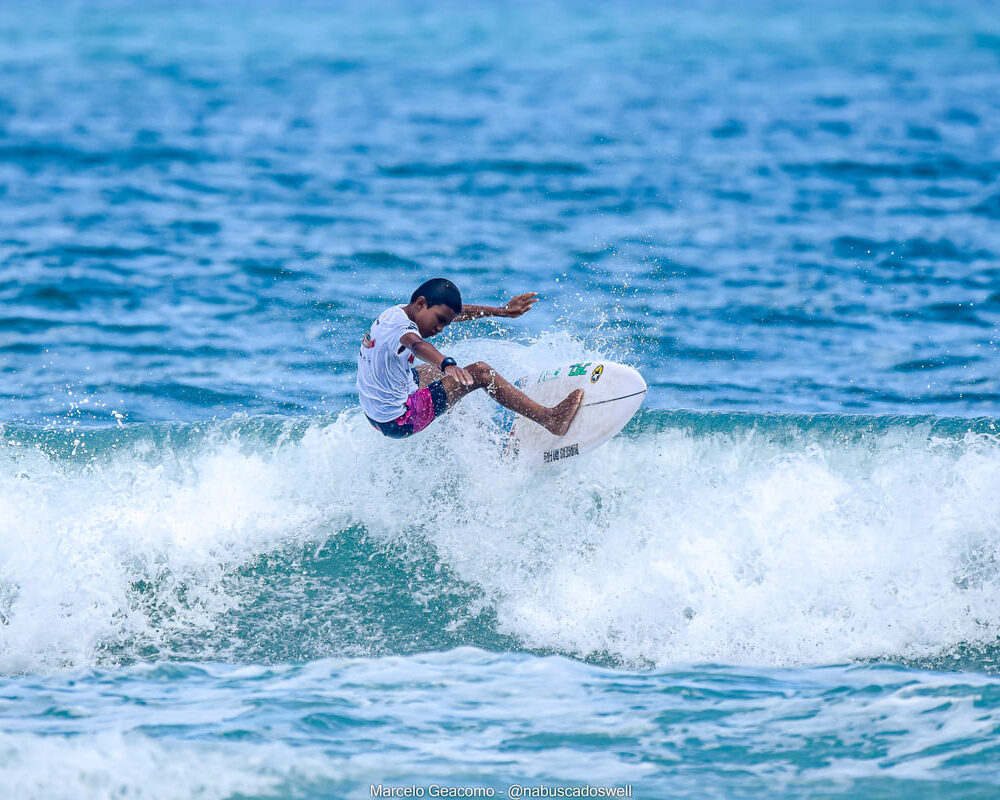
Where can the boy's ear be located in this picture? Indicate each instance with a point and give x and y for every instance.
(421, 302)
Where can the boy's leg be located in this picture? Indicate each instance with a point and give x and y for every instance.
(556, 419)
(427, 375)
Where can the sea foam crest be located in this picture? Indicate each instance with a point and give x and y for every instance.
(690, 538)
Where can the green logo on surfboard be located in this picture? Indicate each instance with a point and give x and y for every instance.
(578, 369)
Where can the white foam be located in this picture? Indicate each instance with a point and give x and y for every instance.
(670, 547)
(730, 548)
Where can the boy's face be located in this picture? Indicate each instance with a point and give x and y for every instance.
(431, 320)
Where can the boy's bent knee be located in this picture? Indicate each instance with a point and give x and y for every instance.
(481, 371)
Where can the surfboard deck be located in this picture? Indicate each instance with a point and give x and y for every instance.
(612, 393)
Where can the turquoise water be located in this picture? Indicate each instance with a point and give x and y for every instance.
(781, 580)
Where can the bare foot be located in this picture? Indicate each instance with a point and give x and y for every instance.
(561, 416)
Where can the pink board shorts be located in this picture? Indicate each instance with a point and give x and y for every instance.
(421, 408)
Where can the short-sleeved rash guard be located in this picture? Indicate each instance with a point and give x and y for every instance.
(385, 377)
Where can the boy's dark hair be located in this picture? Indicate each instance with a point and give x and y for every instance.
(439, 292)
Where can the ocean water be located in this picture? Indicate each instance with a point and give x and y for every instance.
(781, 580)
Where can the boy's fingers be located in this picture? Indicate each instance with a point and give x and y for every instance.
(523, 302)
(462, 376)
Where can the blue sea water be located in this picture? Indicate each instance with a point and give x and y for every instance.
(783, 578)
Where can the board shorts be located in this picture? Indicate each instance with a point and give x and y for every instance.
(421, 408)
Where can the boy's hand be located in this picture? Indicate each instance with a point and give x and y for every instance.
(517, 306)
(459, 374)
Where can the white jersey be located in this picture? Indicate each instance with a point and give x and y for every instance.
(385, 372)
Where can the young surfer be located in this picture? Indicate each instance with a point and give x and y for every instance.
(400, 399)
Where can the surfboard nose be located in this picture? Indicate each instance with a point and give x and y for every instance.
(612, 393)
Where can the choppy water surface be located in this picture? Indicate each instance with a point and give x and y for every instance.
(782, 580)
(769, 206)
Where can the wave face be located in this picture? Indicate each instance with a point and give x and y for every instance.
(693, 537)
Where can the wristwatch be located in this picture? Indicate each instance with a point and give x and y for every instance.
(448, 362)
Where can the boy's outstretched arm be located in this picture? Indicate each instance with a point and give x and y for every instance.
(514, 307)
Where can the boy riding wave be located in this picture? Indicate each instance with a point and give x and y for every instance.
(399, 399)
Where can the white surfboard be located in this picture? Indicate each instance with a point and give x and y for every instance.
(612, 393)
